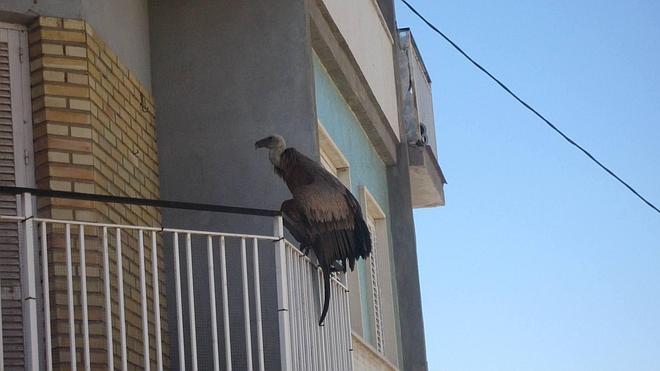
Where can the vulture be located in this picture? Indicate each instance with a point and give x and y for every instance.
(323, 215)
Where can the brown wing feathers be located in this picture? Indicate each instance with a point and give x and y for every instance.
(327, 205)
(328, 212)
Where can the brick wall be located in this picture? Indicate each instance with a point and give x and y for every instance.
(94, 132)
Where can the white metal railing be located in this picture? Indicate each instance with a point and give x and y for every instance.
(303, 344)
(316, 347)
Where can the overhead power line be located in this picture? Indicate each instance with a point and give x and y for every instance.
(526, 105)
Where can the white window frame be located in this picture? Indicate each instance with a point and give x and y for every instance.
(376, 220)
(331, 157)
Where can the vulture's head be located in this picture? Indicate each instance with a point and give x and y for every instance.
(271, 142)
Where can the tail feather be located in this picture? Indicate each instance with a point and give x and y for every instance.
(326, 290)
(364, 238)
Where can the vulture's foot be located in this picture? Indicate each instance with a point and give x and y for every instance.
(304, 248)
(337, 267)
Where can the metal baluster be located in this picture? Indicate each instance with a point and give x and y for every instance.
(191, 303)
(319, 302)
(146, 365)
(345, 330)
(225, 304)
(214, 321)
(122, 309)
(246, 307)
(29, 288)
(257, 303)
(347, 305)
(295, 339)
(282, 294)
(179, 309)
(310, 313)
(46, 293)
(322, 332)
(156, 293)
(297, 262)
(108, 302)
(83, 294)
(69, 294)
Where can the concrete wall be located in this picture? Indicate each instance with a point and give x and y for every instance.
(123, 24)
(412, 346)
(409, 302)
(225, 74)
(369, 38)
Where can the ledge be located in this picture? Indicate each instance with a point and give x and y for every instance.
(426, 178)
(340, 63)
(360, 342)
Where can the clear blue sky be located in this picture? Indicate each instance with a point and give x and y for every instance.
(539, 260)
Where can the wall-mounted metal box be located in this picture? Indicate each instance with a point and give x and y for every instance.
(426, 177)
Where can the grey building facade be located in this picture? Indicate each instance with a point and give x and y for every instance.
(340, 82)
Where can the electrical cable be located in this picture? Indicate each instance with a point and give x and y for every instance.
(526, 105)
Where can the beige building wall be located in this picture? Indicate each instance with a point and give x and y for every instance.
(362, 25)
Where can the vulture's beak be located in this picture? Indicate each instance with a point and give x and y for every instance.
(261, 143)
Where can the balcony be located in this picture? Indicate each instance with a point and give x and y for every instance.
(94, 296)
(426, 177)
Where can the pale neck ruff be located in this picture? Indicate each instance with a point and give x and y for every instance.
(275, 155)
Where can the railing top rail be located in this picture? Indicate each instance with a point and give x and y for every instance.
(140, 201)
(221, 234)
(12, 218)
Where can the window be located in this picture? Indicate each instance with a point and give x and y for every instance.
(375, 218)
(15, 108)
(15, 170)
(364, 282)
(332, 159)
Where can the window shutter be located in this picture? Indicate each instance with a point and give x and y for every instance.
(375, 290)
(7, 166)
(10, 285)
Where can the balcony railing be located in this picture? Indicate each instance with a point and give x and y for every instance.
(83, 280)
(316, 347)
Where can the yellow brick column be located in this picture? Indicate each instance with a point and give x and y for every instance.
(94, 132)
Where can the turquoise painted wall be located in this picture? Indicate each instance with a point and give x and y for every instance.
(365, 166)
(334, 113)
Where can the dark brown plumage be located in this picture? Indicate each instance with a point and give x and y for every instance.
(323, 214)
